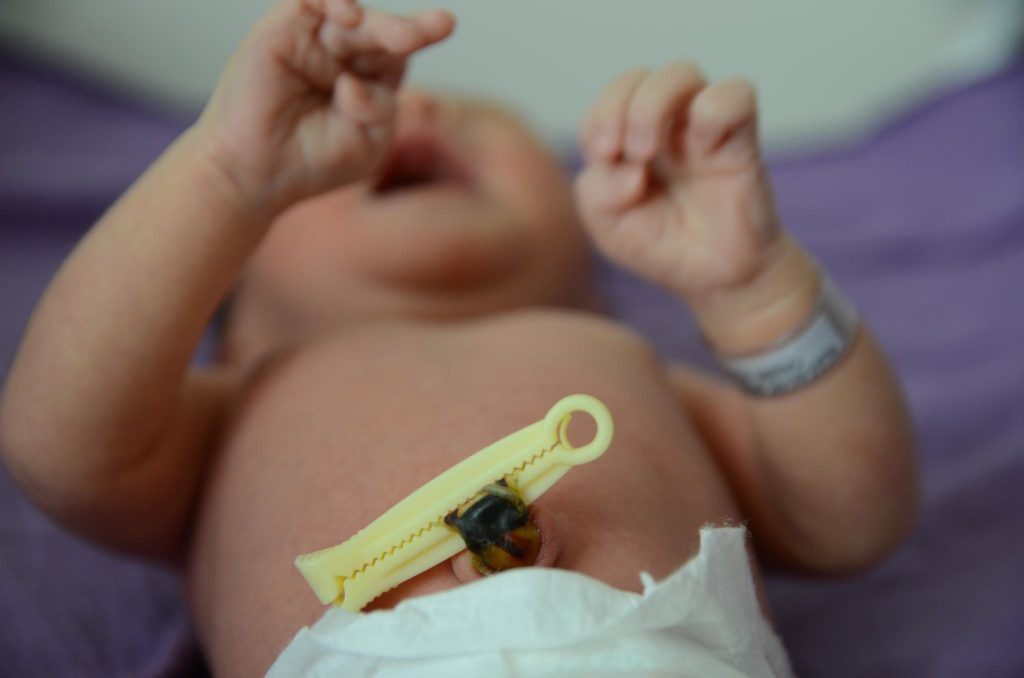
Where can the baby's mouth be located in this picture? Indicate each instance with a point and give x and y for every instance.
(421, 162)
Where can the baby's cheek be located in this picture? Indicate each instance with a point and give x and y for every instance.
(316, 233)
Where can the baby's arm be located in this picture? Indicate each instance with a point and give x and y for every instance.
(674, 189)
(102, 423)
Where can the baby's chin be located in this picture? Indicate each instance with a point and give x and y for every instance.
(439, 237)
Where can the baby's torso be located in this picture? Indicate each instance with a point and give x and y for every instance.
(330, 435)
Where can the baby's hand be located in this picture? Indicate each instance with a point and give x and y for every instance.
(307, 103)
(673, 186)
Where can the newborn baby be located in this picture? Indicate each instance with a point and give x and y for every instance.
(408, 275)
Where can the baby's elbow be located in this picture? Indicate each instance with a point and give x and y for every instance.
(854, 524)
(28, 453)
(873, 541)
(20, 455)
(892, 512)
(12, 437)
(874, 521)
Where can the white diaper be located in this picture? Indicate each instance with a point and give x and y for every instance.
(703, 620)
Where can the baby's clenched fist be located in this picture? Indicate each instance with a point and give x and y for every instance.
(307, 102)
(673, 186)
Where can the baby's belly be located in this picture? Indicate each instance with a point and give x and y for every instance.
(328, 437)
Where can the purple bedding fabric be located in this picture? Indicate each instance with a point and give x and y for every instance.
(922, 224)
(69, 609)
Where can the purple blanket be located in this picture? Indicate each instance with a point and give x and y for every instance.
(922, 224)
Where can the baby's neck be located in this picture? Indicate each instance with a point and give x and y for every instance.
(250, 337)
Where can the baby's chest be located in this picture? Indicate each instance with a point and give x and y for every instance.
(418, 397)
(399, 376)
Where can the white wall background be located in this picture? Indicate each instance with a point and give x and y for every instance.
(826, 69)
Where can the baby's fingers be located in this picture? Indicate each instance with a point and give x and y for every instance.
(390, 34)
(604, 128)
(636, 113)
(343, 12)
(434, 25)
(365, 102)
(658, 104)
(604, 191)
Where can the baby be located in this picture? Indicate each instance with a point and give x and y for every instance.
(409, 278)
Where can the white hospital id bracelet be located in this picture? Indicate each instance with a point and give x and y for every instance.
(803, 356)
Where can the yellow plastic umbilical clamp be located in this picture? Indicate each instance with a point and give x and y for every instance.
(411, 536)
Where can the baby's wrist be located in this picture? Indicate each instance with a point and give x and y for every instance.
(228, 189)
(770, 306)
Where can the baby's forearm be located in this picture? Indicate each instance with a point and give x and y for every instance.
(674, 189)
(834, 461)
(98, 375)
(101, 421)
(838, 463)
